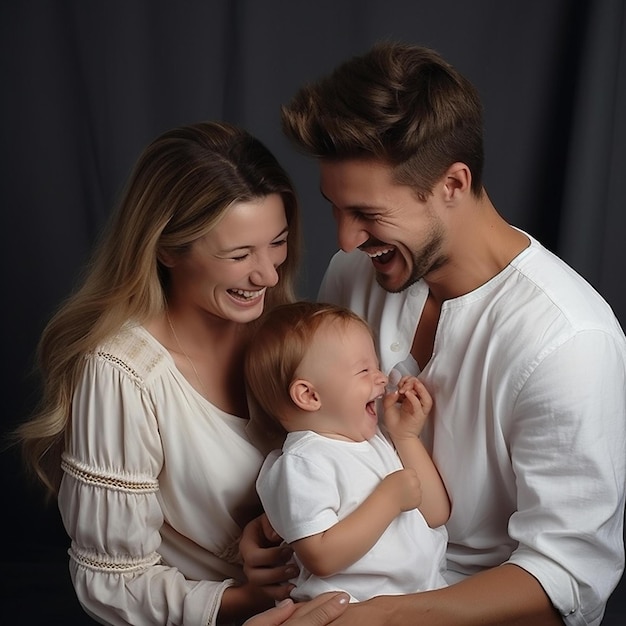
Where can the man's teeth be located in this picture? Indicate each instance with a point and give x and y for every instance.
(373, 255)
(247, 294)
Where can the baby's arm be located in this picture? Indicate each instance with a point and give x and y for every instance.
(406, 411)
(351, 538)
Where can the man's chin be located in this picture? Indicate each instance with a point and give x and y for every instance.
(389, 284)
(392, 284)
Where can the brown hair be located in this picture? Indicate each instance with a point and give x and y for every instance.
(399, 103)
(279, 345)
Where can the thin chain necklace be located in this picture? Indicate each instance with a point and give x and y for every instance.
(193, 367)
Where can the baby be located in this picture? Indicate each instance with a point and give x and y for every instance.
(363, 510)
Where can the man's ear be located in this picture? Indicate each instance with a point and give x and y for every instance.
(457, 181)
(304, 396)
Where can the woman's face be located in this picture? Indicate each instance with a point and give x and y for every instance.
(227, 271)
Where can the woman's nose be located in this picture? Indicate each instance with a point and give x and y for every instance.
(265, 274)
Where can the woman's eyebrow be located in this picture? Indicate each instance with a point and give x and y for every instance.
(249, 246)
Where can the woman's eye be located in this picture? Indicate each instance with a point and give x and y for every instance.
(279, 243)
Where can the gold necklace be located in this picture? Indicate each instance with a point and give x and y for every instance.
(193, 367)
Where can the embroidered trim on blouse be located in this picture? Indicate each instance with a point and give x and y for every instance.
(88, 475)
(132, 353)
(122, 365)
(104, 563)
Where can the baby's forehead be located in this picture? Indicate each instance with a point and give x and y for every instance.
(339, 327)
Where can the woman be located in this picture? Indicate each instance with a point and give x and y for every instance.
(141, 433)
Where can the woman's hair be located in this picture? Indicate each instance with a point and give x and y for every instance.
(398, 103)
(278, 346)
(181, 186)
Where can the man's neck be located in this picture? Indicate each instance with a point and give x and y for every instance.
(480, 245)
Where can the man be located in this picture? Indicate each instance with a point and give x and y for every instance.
(526, 362)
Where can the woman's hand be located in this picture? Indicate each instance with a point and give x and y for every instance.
(265, 559)
(318, 612)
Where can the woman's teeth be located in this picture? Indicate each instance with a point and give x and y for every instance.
(245, 294)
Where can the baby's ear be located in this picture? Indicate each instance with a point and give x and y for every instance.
(304, 395)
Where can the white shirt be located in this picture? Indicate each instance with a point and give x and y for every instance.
(158, 483)
(315, 482)
(528, 373)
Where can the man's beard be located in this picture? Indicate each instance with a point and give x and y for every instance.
(428, 259)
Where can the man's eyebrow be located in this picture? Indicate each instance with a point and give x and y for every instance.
(353, 207)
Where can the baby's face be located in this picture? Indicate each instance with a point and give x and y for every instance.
(343, 367)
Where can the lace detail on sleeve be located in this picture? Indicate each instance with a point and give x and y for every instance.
(109, 565)
(132, 353)
(133, 374)
(88, 475)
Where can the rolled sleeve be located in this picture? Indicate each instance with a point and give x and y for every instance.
(569, 456)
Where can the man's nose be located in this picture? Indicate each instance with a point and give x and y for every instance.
(349, 235)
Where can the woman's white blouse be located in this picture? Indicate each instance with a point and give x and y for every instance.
(158, 484)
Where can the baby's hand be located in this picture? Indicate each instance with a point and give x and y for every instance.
(403, 489)
(407, 408)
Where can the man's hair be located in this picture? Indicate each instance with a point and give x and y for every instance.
(399, 103)
(279, 345)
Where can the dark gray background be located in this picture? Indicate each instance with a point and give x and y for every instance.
(87, 83)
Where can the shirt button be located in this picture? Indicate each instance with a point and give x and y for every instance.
(395, 346)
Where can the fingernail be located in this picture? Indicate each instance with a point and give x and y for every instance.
(285, 602)
(291, 571)
(344, 599)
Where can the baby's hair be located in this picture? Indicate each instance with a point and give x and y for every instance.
(279, 345)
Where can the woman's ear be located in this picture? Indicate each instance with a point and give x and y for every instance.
(304, 395)
(166, 258)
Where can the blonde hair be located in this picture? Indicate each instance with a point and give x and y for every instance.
(279, 345)
(180, 188)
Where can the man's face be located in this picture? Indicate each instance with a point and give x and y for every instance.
(403, 235)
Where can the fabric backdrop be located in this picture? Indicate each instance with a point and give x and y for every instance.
(86, 84)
